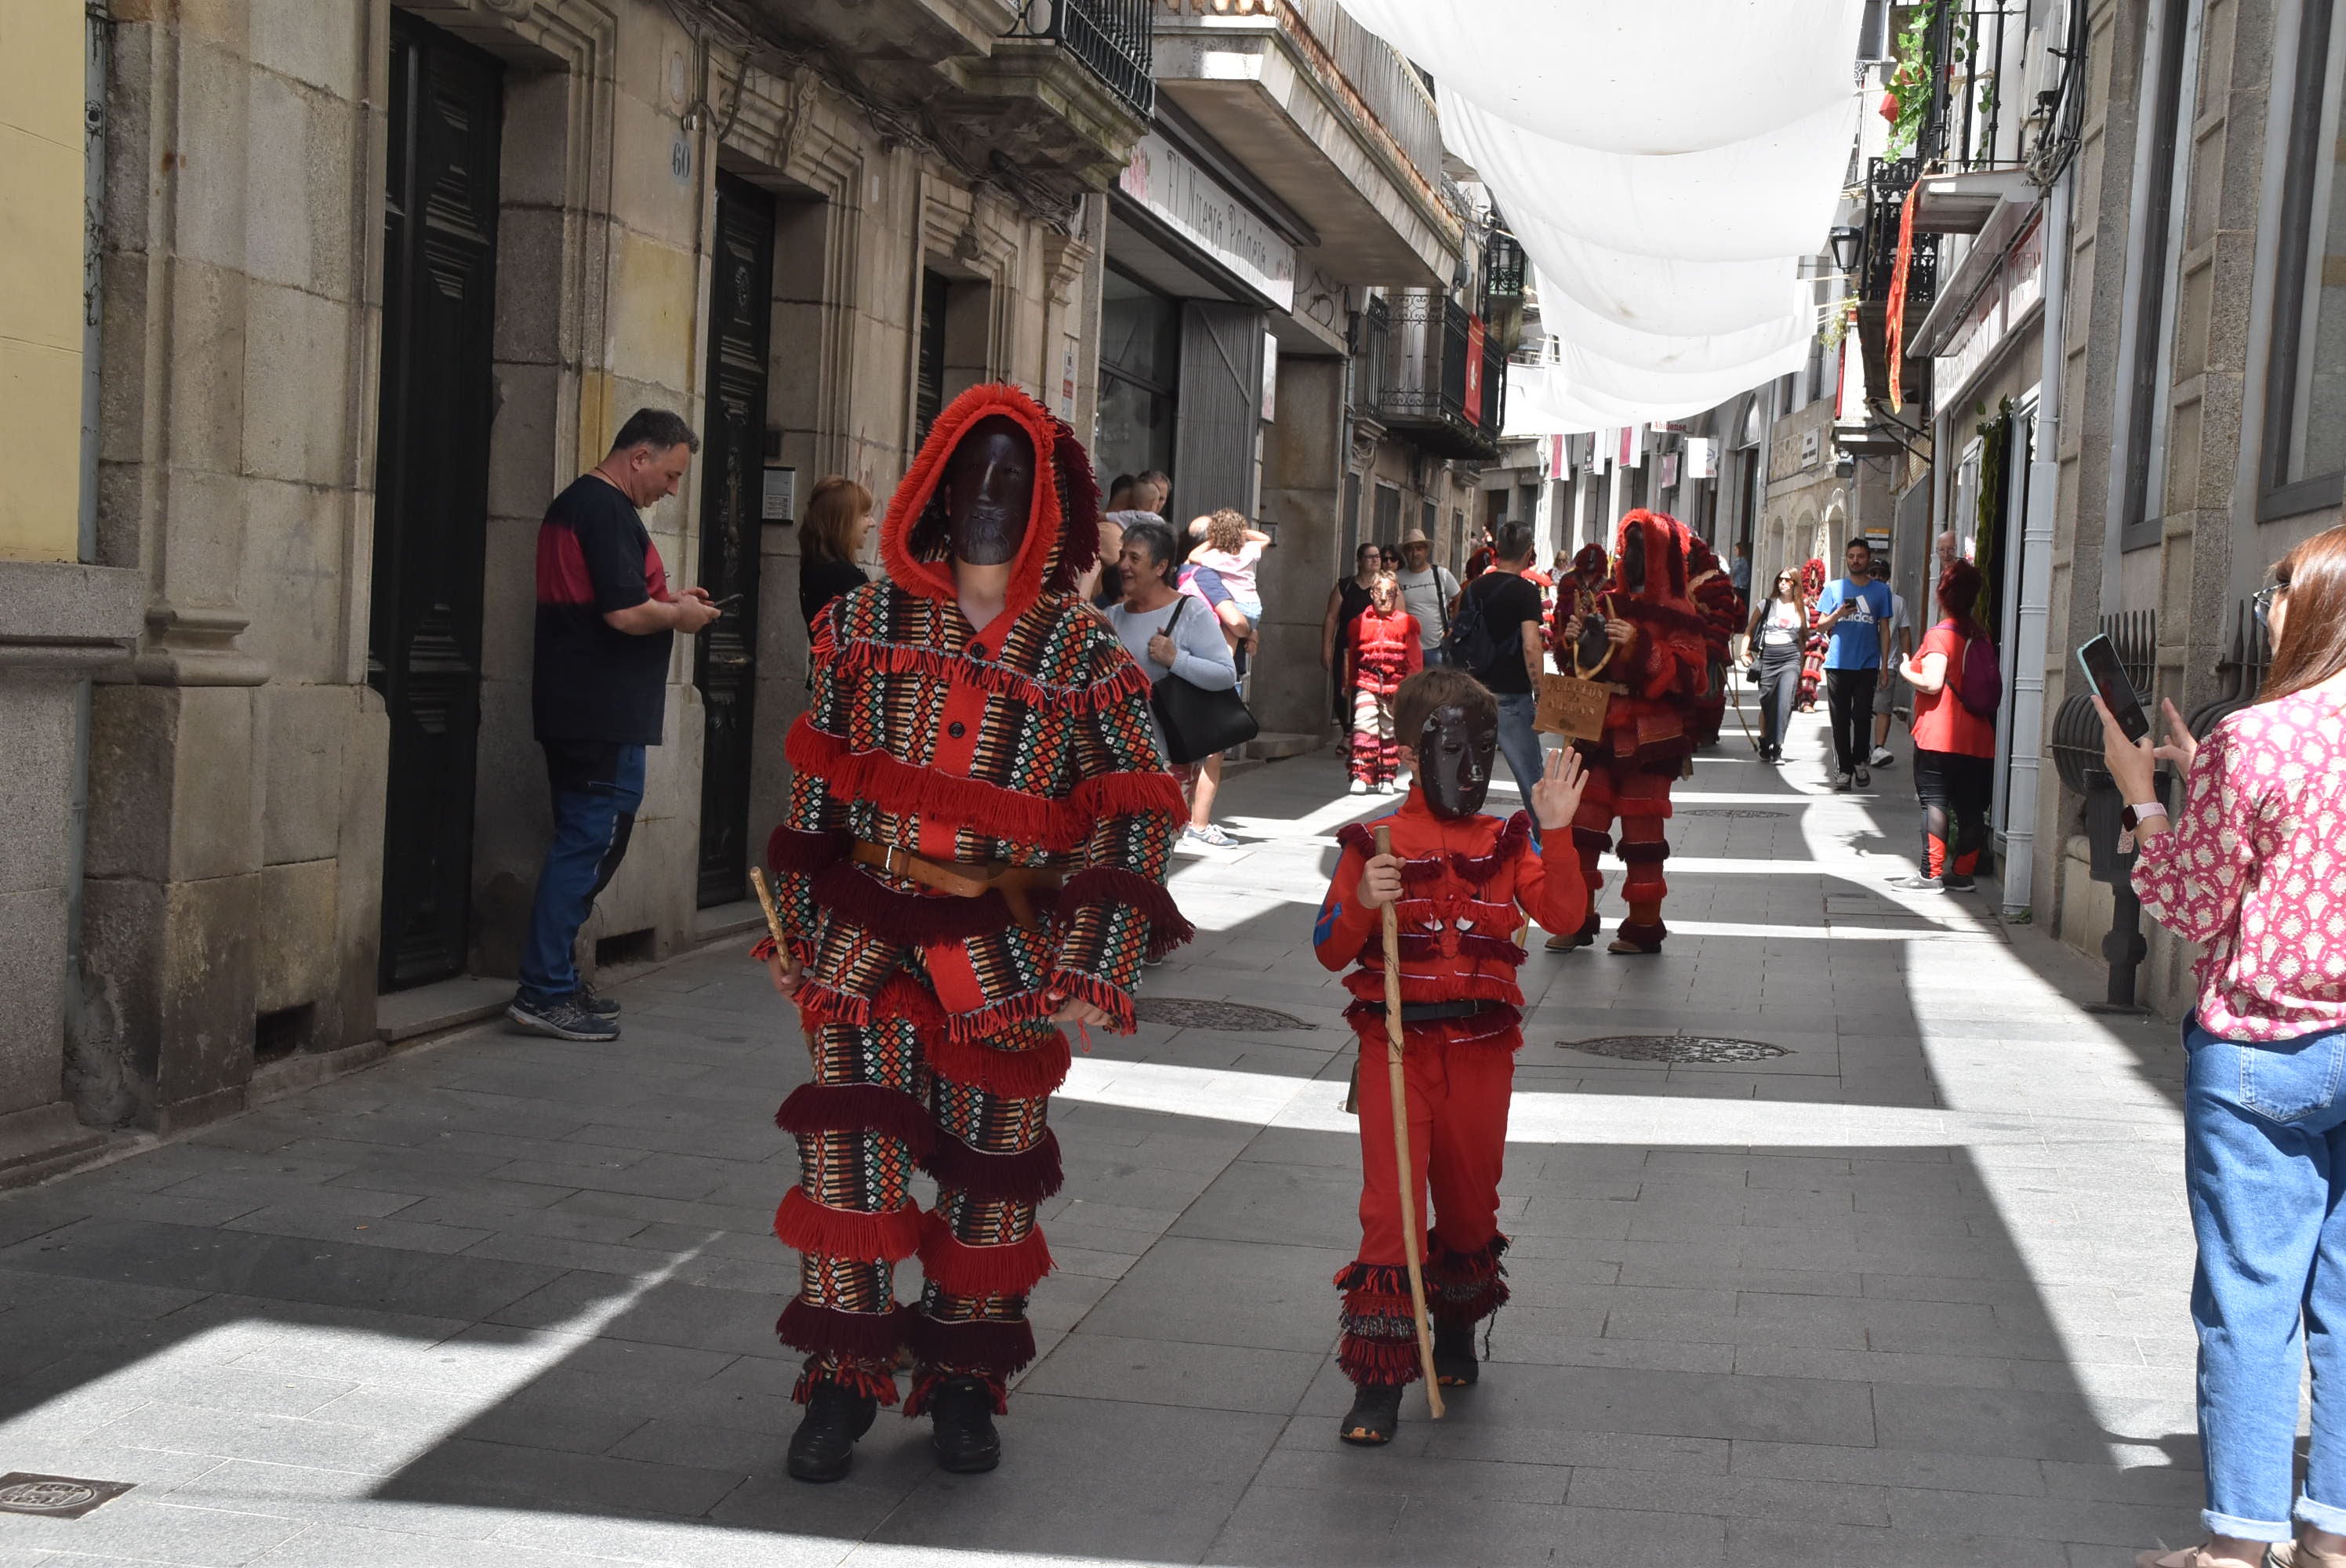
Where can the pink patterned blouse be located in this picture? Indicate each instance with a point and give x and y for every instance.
(2255, 870)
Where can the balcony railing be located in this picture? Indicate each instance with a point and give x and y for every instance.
(1888, 182)
(1421, 348)
(1388, 85)
(1111, 38)
(1504, 271)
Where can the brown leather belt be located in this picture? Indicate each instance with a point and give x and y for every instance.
(1016, 884)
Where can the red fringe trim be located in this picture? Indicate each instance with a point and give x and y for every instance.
(1012, 1075)
(1475, 870)
(998, 1016)
(851, 1336)
(1116, 1003)
(792, 848)
(1030, 1176)
(1490, 949)
(826, 1232)
(1167, 929)
(855, 1379)
(1642, 935)
(992, 1346)
(1122, 683)
(764, 948)
(1130, 794)
(906, 920)
(925, 1386)
(1389, 1281)
(1044, 524)
(1079, 507)
(1378, 1363)
(897, 786)
(1368, 985)
(968, 1271)
(819, 1004)
(856, 1108)
(1634, 854)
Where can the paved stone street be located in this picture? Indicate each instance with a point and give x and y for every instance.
(1909, 1290)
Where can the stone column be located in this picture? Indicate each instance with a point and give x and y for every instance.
(1302, 487)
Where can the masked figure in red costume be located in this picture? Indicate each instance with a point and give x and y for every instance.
(1590, 575)
(1463, 883)
(1715, 599)
(974, 854)
(1644, 640)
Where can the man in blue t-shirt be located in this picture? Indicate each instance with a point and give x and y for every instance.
(1856, 613)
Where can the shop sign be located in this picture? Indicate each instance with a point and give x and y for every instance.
(1202, 210)
(2018, 284)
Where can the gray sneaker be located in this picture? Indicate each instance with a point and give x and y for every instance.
(561, 1020)
(592, 1001)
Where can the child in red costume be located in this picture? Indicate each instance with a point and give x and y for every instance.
(1386, 649)
(1463, 883)
(1654, 654)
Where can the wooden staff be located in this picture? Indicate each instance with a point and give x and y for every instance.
(1400, 1090)
(766, 903)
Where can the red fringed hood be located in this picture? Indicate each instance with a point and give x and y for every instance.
(1664, 541)
(1062, 531)
(1589, 567)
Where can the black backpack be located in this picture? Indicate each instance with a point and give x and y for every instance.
(1470, 643)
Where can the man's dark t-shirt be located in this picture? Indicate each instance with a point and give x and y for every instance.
(593, 681)
(1506, 602)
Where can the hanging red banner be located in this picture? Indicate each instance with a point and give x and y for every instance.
(1895, 334)
(1473, 370)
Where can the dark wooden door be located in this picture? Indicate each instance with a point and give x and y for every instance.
(432, 475)
(732, 488)
(929, 368)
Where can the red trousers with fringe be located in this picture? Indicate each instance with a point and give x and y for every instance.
(892, 1095)
(1457, 1092)
(1641, 800)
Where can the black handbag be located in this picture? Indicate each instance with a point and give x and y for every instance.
(1197, 722)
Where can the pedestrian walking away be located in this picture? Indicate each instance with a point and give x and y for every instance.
(1779, 631)
(1496, 640)
(1346, 600)
(2251, 868)
(1896, 650)
(1427, 591)
(1853, 613)
(598, 696)
(1464, 883)
(1954, 737)
(973, 854)
(1384, 652)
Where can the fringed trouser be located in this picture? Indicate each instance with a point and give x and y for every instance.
(1457, 1094)
(1376, 760)
(890, 1095)
(1642, 802)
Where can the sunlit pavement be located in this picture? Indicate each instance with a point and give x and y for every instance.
(1909, 1291)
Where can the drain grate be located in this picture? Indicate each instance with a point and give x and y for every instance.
(56, 1496)
(1676, 1048)
(1730, 811)
(1230, 1017)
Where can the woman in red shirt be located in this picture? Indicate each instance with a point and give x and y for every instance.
(1385, 651)
(1954, 749)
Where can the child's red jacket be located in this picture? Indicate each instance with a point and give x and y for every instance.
(1465, 889)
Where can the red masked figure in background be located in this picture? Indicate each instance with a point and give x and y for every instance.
(974, 852)
(1575, 592)
(1643, 639)
(1723, 616)
(1812, 652)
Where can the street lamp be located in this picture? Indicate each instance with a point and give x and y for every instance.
(1846, 243)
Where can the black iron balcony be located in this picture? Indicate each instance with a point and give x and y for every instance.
(1111, 38)
(1888, 182)
(1434, 377)
(1970, 54)
(1505, 270)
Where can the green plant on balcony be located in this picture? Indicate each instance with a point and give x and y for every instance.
(1911, 83)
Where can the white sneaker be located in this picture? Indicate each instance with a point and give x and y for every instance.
(1882, 756)
(1360, 786)
(1840, 781)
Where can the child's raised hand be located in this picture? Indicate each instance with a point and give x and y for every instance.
(1381, 882)
(1557, 796)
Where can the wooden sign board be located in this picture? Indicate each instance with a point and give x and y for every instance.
(1570, 705)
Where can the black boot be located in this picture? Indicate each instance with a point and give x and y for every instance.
(1454, 1366)
(825, 1445)
(1374, 1417)
(963, 1411)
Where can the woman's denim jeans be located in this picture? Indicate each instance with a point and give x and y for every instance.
(2264, 1146)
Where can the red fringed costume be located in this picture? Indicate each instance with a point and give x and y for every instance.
(1656, 678)
(1591, 574)
(1385, 650)
(1026, 743)
(1723, 616)
(1466, 887)
(1813, 651)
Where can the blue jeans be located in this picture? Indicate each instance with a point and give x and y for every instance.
(597, 789)
(2264, 1147)
(1519, 743)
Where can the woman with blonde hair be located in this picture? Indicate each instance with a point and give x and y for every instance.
(830, 535)
(1232, 549)
(2251, 868)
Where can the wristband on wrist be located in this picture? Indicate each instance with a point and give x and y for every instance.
(2133, 815)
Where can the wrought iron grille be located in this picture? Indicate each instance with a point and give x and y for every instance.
(1419, 376)
(1970, 53)
(1504, 266)
(2076, 728)
(1888, 181)
(1112, 37)
(2241, 670)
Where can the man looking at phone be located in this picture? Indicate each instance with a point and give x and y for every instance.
(1855, 612)
(598, 696)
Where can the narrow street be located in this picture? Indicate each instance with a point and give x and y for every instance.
(1905, 1287)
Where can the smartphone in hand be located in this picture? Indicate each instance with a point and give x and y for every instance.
(2099, 659)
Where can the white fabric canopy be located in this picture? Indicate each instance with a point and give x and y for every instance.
(1632, 76)
(1664, 211)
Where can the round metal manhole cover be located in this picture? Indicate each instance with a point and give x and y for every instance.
(1676, 1048)
(48, 1496)
(1230, 1017)
(1728, 812)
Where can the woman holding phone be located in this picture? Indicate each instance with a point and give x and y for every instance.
(2251, 868)
(1778, 629)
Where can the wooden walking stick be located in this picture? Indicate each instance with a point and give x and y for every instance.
(766, 903)
(1400, 1094)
